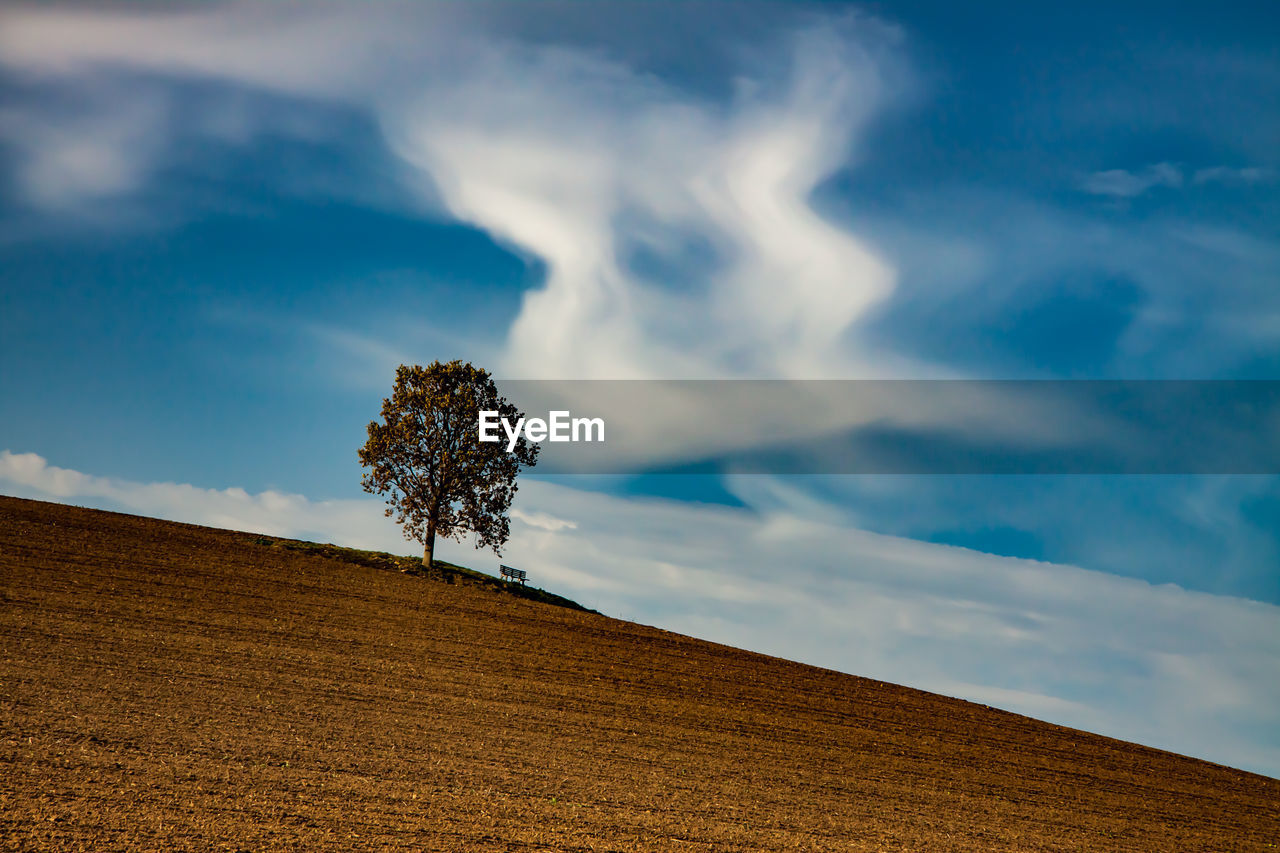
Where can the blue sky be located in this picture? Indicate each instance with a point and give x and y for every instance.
(221, 228)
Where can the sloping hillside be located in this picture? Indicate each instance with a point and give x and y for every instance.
(171, 687)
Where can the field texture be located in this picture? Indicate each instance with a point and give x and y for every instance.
(170, 687)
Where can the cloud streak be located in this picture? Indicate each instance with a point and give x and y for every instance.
(357, 523)
(1122, 183)
(675, 218)
(1127, 184)
(570, 157)
(580, 162)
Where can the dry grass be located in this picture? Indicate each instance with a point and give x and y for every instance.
(170, 687)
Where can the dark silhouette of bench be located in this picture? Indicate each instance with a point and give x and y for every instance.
(508, 573)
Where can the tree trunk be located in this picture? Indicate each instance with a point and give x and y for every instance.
(429, 546)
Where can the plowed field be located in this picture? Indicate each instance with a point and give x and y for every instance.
(171, 687)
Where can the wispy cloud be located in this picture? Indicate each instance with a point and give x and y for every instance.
(573, 158)
(1187, 671)
(100, 146)
(1126, 184)
(1189, 297)
(1230, 175)
(542, 520)
(675, 220)
(358, 523)
(1122, 183)
(581, 162)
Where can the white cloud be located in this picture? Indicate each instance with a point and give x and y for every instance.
(570, 157)
(72, 157)
(356, 523)
(1122, 183)
(1187, 671)
(1125, 184)
(561, 155)
(973, 261)
(542, 520)
(1230, 175)
(580, 159)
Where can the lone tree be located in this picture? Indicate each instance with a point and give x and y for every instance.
(427, 459)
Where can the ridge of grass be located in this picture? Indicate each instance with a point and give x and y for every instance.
(446, 572)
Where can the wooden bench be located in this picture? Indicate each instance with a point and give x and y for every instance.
(508, 573)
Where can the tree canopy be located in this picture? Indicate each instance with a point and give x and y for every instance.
(426, 458)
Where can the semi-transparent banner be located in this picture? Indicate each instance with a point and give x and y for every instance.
(896, 426)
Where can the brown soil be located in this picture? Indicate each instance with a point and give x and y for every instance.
(171, 687)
